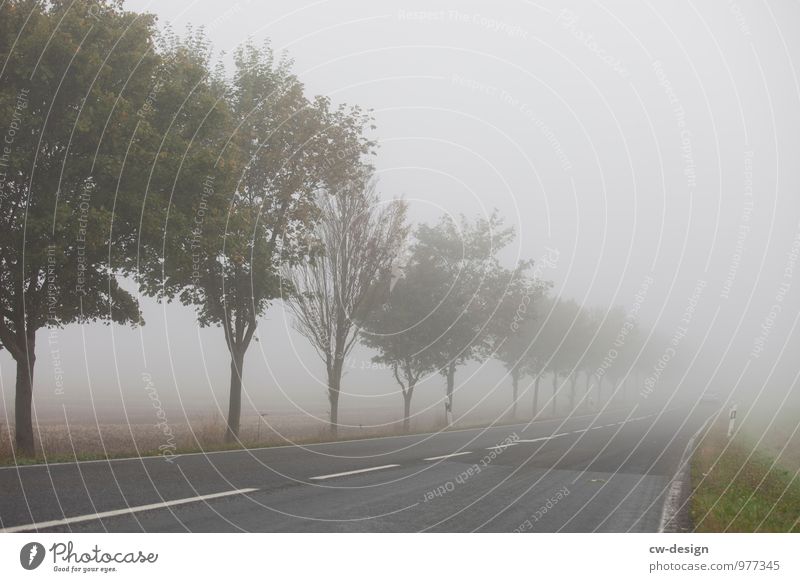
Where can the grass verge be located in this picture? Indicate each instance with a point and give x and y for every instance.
(737, 489)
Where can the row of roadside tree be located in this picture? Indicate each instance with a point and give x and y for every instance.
(129, 155)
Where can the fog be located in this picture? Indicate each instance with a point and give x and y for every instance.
(626, 141)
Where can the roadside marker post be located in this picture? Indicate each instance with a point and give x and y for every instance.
(732, 421)
(261, 416)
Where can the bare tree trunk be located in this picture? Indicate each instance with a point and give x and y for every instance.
(333, 399)
(407, 408)
(536, 395)
(334, 391)
(448, 402)
(514, 390)
(572, 387)
(23, 400)
(589, 401)
(235, 398)
(555, 391)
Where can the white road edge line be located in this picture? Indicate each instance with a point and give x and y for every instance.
(447, 456)
(117, 512)
(332, 475)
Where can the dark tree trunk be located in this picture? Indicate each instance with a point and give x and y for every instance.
(235, 398)
(589, 401)
(333, 399)
(334, 391)
(407, 408)
(448, 401)
(515, 391)
(555, 391)
(572, 388)
(23, 401)
(536, 395)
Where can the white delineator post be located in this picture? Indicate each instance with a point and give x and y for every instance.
(732, 420)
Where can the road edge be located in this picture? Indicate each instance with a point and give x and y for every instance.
(675, 516)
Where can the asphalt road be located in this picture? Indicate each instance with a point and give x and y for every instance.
(609, 472)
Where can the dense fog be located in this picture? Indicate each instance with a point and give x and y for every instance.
(643, 154)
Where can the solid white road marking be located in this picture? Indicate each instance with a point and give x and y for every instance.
(332, 475)
(126, 511)
(447, 456)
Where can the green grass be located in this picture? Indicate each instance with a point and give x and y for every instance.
(738, 490)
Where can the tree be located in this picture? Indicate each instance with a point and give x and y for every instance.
(254, 215)
(592, 363)
(627, 345)
(515, 326)
(536, 359)
(465, 257)
(577, 343)
(74, 75)
(556, 342)
(358, 239)
(402, 331)
(535, 367)
(605, 350)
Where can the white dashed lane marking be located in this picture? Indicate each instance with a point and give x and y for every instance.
(447, 456)
(356, 472)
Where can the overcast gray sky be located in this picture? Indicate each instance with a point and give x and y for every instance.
(636, 139)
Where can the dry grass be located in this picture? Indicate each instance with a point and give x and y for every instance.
(83, 441)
